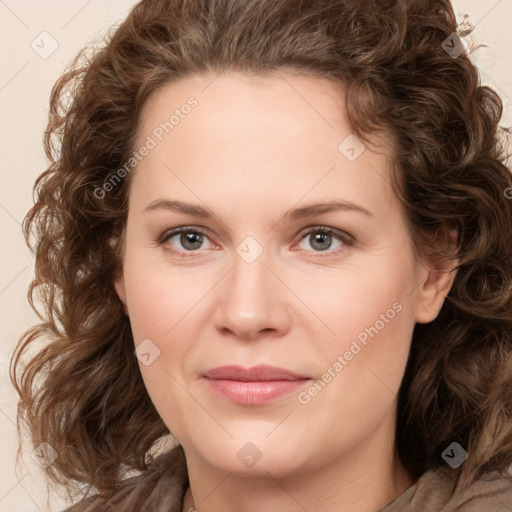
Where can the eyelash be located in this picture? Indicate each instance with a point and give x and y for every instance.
(346, 239)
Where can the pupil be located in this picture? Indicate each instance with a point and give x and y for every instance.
(320, 238)
(194, 239)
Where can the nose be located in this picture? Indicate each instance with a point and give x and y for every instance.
(253, 301)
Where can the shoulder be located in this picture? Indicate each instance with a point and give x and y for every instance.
(436, 491)
(160, 487)
(492, 492)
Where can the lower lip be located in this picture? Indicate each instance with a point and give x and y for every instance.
(254, 393)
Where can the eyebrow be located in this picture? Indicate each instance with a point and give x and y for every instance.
(296, 213)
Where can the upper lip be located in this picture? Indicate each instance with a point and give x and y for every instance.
(258, 373)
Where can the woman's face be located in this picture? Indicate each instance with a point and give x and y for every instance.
(252, 172)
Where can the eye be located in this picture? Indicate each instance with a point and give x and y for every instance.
(323, 239)
(185, 239)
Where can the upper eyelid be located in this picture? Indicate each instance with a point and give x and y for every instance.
(321, 228)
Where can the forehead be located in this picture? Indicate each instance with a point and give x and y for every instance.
(261, 105)
(284, 136)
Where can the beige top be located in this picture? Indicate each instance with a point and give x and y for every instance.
(162, 486)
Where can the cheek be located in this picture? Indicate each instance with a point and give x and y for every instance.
(160, 298)
(375, 296)
(362, 373)
(164, 304)
(162, 307)
(370, 313)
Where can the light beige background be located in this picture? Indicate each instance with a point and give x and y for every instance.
(26, 78)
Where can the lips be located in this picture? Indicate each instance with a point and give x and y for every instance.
(255, 374)
(253, 386)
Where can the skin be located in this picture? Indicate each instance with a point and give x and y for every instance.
(249, 152)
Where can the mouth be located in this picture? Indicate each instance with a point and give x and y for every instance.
(253, 386)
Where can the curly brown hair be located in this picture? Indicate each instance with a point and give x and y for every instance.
(82, 391)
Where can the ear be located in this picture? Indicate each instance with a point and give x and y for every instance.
(121, 291)
(436, 281)
(119, 280)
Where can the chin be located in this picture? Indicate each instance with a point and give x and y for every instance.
(252, 455)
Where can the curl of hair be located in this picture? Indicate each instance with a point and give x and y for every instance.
(82, 391)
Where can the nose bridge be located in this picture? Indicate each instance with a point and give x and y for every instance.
(253, 299)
